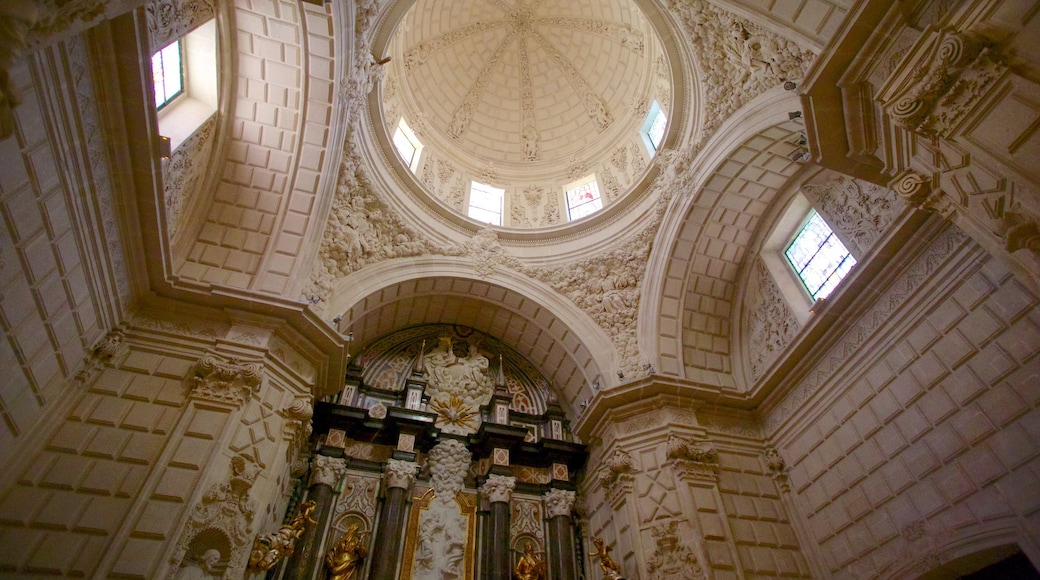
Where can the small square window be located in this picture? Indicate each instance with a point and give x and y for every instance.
(583, 198)
(485, 203)
(168, 74)
(818, 257)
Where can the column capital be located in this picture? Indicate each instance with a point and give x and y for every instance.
(559, 502)
(695, 459)
(327, 470)
(400, 473)
(777, 468)
(230, 381)
(498, 488)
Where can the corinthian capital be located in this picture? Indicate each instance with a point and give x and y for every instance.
(327, 470)
(226, 381)
(558, 502)
(400, 473)
(498, 488)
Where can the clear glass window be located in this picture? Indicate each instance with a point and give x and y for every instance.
(656, 131)
(818, 257)
(485, 203)
(583, 199)
(168, 74)
(407, 144)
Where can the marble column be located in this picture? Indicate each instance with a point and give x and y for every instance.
(560, 551)
(307, 557)
(499, 491)
(399, 476)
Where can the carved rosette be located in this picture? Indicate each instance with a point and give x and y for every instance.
(327, 470)
(777, 468)
(697, 459)
(559, 502)
(226, 382)
(400, 473)
(498, 488)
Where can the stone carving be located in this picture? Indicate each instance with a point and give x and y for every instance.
(327, 470)
(400, 473)
(16, 18)
(457, 385)
(442, 540)
(297, 428)
(526, 520)
(738, 59)
(617, 469)
(268, 549)
(861, 211)
(225, 513)
(448, 462)
(418, 54)
(487, 254)
(772, 324)
(462, 115)
(226, 382)
(671, 557)
(184, 173)
(1020, 232)
(201, 567)
(498, 488)
(169, 20)
(697, 458)
(961, 70)
(559, 502)
(595, 106)
(777, 468)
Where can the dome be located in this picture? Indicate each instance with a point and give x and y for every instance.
(528, 98)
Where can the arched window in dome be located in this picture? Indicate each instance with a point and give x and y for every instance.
(168, 74)
(818, 257)
(407, 145)
(653, 128)
(583, 198)
(485, 203)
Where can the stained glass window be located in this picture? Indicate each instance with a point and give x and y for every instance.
(167, 74)
(819, 257)
(583, 200)
(485, 203)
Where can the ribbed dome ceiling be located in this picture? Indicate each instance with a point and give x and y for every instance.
(524, 89)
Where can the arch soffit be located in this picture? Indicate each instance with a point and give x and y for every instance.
(703, 238)
(563, 342)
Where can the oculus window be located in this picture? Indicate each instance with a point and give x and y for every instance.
(818, 257)
(168, 74)
(583, 198)
(407, 145)
(485, 203)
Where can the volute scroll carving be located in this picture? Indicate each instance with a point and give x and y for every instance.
(226, 381)
(696, 458)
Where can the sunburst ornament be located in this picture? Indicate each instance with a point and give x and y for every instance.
(455, 416)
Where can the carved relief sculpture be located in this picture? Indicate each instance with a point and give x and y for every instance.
(268, 549)
(697, 458)
(400, 473)
(671, 557)
(559, 502)
(498, 488)
(226, 382)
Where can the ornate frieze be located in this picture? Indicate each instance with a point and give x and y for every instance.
(860, 211)
(498, 488)
(400, 473)
(771, 321)
(559, 502)
(169, 20)
(226, 381)
(327, 470)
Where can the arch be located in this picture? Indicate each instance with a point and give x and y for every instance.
(563, 342)
(684, 314)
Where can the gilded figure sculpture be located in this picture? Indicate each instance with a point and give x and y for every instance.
(345, 559)
(611, 571)
(270, 548)
(530, 566)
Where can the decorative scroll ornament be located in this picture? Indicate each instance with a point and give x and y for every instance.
(697, 458)
(225, 510)
(559, 502)
(498, 488)
(777, 468)
(226, 382)
(268, 549)
(400, 473)
(617, 469)
(327, 470)
(917, 190)
(297, 427)
(962, 69)
(671, 557)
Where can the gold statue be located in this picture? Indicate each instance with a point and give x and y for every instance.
(270, 548)
(344, 559)
(606, 563)
(530, 566)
